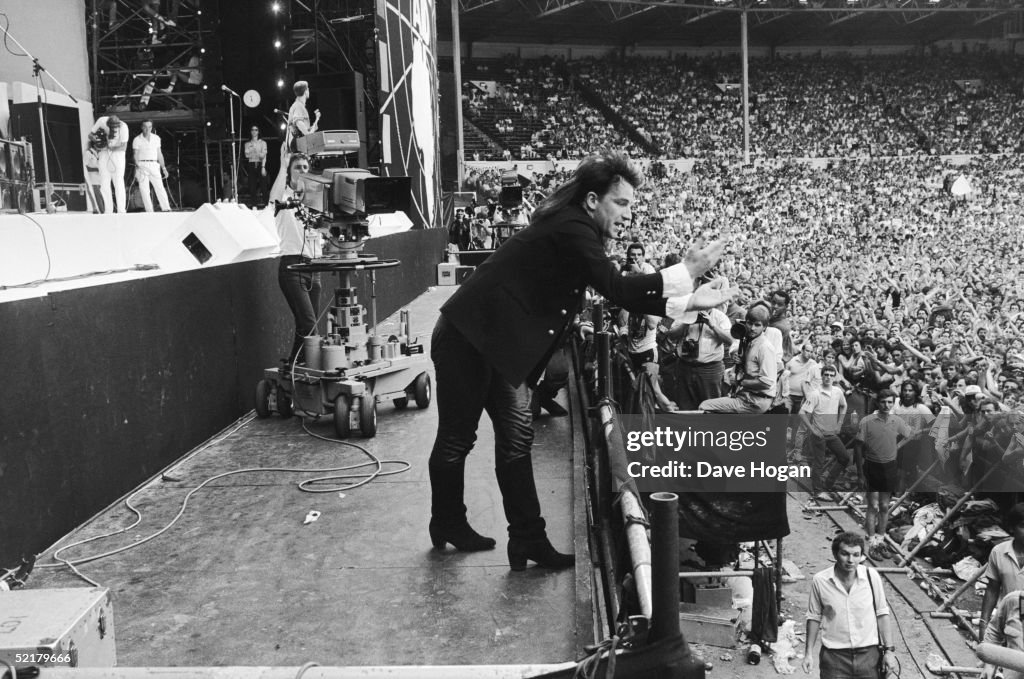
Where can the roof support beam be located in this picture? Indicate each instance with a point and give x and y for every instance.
(814, 7)
(623, 12)
(549, 7)
(470, 5)
(988, 17)
(701, 16)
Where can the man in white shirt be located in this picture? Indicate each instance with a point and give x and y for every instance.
(700, 344)
(822, 413)
(757, 375)
(850, 613)
(110, 161)
(150, 167)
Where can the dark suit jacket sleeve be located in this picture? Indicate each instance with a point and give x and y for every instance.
(641, 294)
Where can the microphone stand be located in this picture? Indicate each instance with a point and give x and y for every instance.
(234, 148)
(37, 70)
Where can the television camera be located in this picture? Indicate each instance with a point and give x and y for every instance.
(351, 368)
(98, 140)
(339, 200)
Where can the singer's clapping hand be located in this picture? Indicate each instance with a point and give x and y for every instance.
(701, 258)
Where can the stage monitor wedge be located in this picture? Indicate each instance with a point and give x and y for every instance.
(215, 234)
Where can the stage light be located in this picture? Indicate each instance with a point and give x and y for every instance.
(277, 44)
(199, 12)
(280, 82)
(276, 7)
(205, 87)
(283, 126)
(202, 50)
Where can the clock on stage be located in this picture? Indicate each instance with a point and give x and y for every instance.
(251, 98)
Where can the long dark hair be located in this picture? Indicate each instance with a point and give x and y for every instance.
(597, 173)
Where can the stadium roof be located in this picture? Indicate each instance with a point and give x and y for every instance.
(775, 23)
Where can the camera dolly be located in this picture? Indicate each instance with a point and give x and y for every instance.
(348, 372)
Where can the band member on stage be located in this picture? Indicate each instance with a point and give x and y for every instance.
(256, 167)
(150, 167)
(110, 159)
(498, 331)
(298, 118)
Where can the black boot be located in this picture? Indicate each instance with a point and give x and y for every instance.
(448, 522)
(544, 397)
(540, 551)
(527, 538)
(554, 408)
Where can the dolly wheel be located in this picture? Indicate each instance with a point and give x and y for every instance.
(401, 403)
(284, 403)
(421, 390)
(342, 424)
(368, 414)
(263, 399)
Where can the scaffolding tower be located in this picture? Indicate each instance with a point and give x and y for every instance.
(337, 37)
(155, 60)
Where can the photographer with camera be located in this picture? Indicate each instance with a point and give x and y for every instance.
(108, 142)
(757, 373)
(298, 244)
(701, 340)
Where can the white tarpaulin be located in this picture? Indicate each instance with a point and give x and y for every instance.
(961, 187)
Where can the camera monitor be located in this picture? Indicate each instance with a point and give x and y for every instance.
(511, 196)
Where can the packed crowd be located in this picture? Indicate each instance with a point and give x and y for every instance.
(888, 275)
(536, 114)
(819, 107)
(879, 252)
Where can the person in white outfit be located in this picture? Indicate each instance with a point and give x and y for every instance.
(110, 161)
(150, 167)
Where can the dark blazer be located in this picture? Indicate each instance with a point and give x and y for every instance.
(518, 304)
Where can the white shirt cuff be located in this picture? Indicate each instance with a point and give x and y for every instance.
(675, 308)
(676, 281)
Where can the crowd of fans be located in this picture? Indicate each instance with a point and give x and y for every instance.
(889, 275)
(876, 251)
(819, 107)
(886, 270)
(536, 114)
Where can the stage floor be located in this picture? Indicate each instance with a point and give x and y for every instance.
(239, 580)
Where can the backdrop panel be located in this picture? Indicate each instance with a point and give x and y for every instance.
(407, 42)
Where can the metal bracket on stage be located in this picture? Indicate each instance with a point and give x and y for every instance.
(360, 263)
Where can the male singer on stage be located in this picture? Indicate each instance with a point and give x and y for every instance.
(110, 160)
(150, 167)
(298, 117)
(256, 167)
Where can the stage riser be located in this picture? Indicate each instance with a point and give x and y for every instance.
(109, 384)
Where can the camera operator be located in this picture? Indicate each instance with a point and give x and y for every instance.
(298, 244)
(757, 373)
(108, 141)
(480, 234)
(701, 340)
